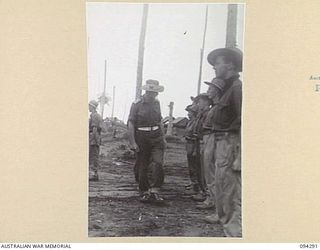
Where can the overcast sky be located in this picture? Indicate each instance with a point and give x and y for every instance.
(172, 50)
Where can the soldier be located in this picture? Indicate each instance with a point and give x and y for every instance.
(191, 148)
(227, 63)
(95, 127)
(146, 137)
(214, 92)
(203, 103)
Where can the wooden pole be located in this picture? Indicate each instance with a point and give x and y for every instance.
(103, 97)
(202, 50)
(170, 125)
(141, 50)
(125, 109)
(231, 39)
(113, 100)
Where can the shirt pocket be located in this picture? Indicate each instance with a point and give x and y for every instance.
(222, 114)
(143, 116)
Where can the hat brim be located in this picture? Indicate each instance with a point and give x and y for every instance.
(153, 88)
(213, 84)
(191, 108)
(203, 96)
(191, 111)
(236, 54)
(92, 105)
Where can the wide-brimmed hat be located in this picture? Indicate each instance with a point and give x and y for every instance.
(200, 96)
(192, 108)
(203, 96)
(93, 103)
(217, 82)
(234, 53)
(153, 85)
(193, 98)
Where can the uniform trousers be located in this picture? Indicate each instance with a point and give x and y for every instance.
(228, 183)
(209, 166)
(94, 158)
(150, 159)
(193, 162)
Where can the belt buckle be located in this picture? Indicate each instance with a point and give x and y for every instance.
(145, 129)
(151, 128)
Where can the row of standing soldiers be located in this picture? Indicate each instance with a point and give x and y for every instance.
(213, 146)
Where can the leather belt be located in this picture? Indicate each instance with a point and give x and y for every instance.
(153, 128)
(191, 138)
(207, 132)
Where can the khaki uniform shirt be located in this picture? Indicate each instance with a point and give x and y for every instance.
(95, 121)
(226, 114)
(145, 114)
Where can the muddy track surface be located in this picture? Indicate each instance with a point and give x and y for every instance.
(115, 209)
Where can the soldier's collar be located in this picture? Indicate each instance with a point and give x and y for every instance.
(206, 108)
(229, 82)
(144, 101)
(233, 77)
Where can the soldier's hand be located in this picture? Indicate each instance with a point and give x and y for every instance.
(236, 165)
(134, 147)
(165, 144)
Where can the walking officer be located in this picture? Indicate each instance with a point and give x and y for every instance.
(95, 127)
(227, 63)
(146, 137)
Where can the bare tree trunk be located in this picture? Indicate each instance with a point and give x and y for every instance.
(231, 39)
(202, 50)
(113, 100)
(103, 97)
(170, 125)
(141, 50)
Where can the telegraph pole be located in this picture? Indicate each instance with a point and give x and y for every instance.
(113, 100)
(202, 50)
(231, 39)
(141, 50)
(103, 97)
(169, 128)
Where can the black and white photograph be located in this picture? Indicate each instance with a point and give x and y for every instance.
(164, 111)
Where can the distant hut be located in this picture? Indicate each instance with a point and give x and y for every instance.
(179, 125)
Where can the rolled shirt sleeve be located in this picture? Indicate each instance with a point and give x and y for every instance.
(133, 114)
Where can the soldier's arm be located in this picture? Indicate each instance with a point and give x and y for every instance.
(162, 127)
(96, 125)
(237, 102)
(95, 134)
(163, 134)
(131, 129)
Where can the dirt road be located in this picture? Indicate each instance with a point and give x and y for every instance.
(115, 210)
